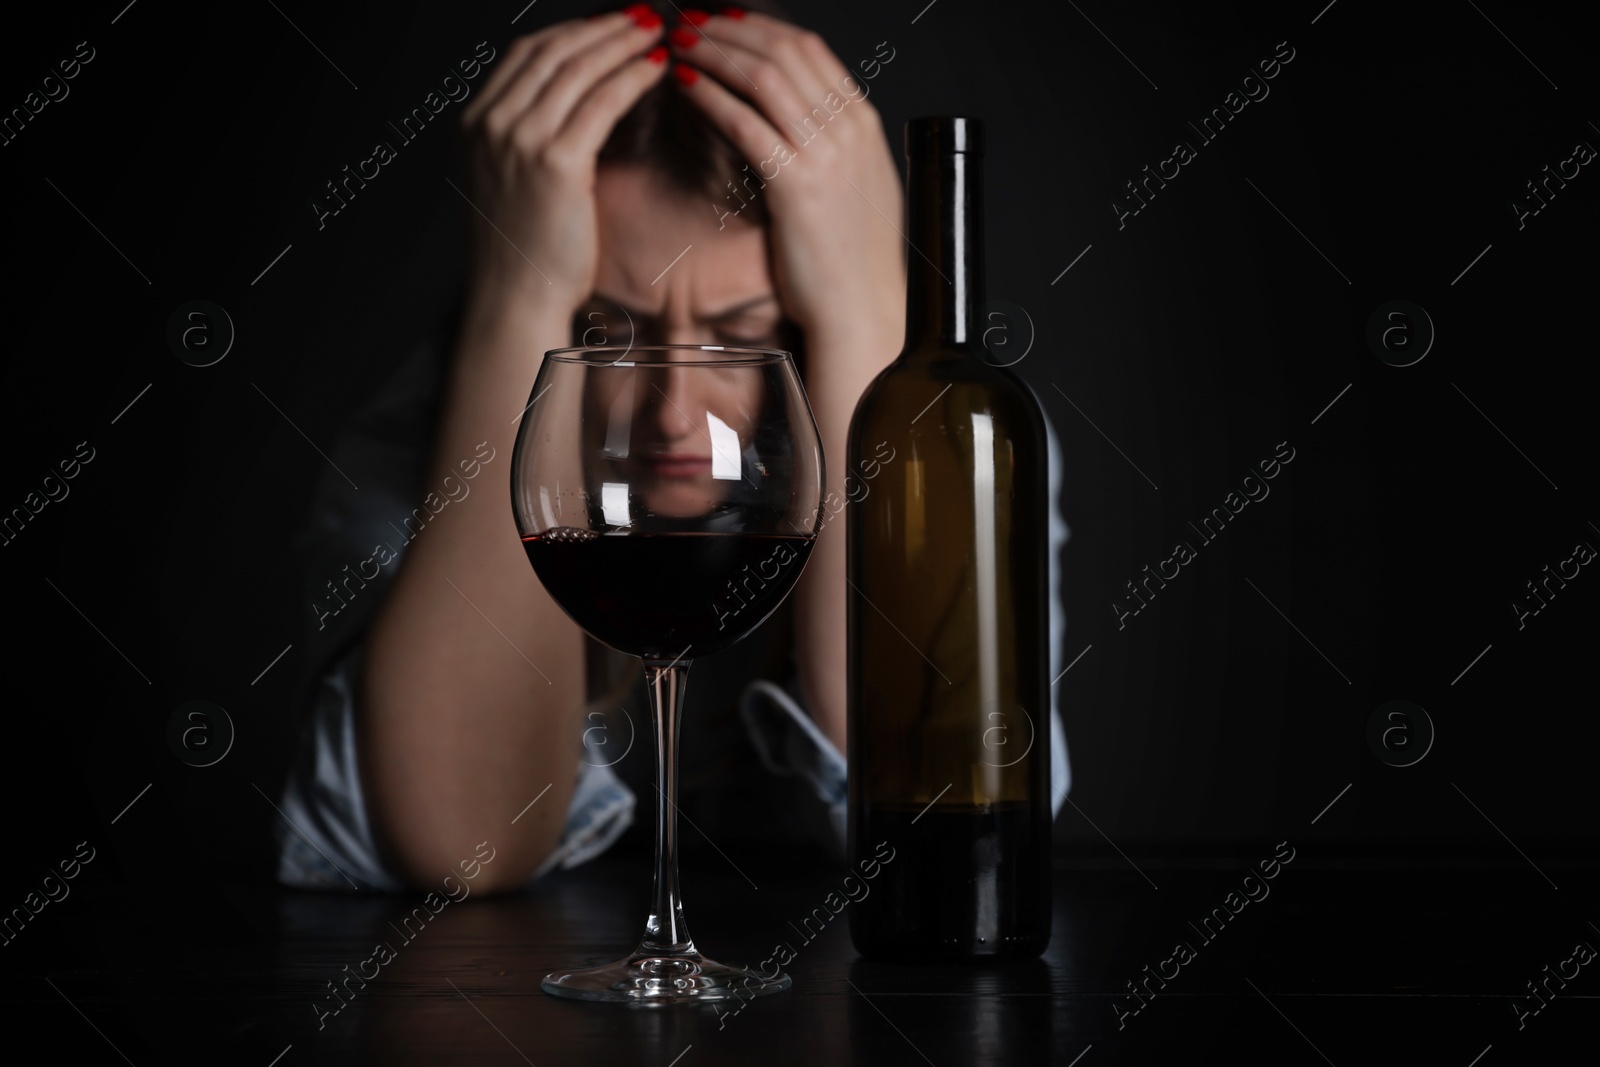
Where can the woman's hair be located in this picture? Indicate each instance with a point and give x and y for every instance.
(668, 133)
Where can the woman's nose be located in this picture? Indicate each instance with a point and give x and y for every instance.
(675, 408)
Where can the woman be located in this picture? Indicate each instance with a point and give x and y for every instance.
(612, 202)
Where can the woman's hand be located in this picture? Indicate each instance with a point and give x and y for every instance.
(791, 108)
(532, 138)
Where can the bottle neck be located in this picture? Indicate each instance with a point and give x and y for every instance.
(944, 266)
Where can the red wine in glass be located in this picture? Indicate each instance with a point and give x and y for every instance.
(657, 594)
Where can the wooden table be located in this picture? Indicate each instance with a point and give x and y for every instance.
(1337, 964)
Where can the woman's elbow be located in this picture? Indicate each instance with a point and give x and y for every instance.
(486, 866)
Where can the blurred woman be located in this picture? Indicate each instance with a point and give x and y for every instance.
(636, 182)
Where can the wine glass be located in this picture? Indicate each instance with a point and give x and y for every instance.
(668, 500)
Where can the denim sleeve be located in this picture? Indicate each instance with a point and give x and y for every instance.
(325, 839)
(790, 743)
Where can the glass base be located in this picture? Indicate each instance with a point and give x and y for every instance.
(648, 978)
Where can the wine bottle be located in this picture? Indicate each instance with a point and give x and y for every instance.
(948, 707)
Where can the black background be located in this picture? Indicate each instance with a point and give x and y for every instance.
(1196, 338)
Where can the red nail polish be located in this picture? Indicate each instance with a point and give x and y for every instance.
(685, 75)
(643, 16)
(694, 16)
(633, 11)
(732, 12)
(658, 54)
(683, 36)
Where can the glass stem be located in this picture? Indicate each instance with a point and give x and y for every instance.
(666, 933)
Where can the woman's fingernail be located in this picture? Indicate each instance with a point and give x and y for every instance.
(732, 12)
(683, 36)
(685, 75)
(658, 54)
(694, 16)
(643, 15)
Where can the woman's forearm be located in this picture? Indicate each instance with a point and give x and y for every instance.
(473, 685)
(839, 370)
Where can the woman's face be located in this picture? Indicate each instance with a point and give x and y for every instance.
(668, 275)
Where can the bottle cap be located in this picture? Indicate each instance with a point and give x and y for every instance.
(944, 135)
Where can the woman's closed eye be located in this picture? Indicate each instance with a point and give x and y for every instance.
(759, 324)
(749, 333)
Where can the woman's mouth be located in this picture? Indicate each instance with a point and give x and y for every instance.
(679, 465)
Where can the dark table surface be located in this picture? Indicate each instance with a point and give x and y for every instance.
(1342, 963)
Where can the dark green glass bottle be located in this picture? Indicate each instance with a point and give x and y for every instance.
(948, 624)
